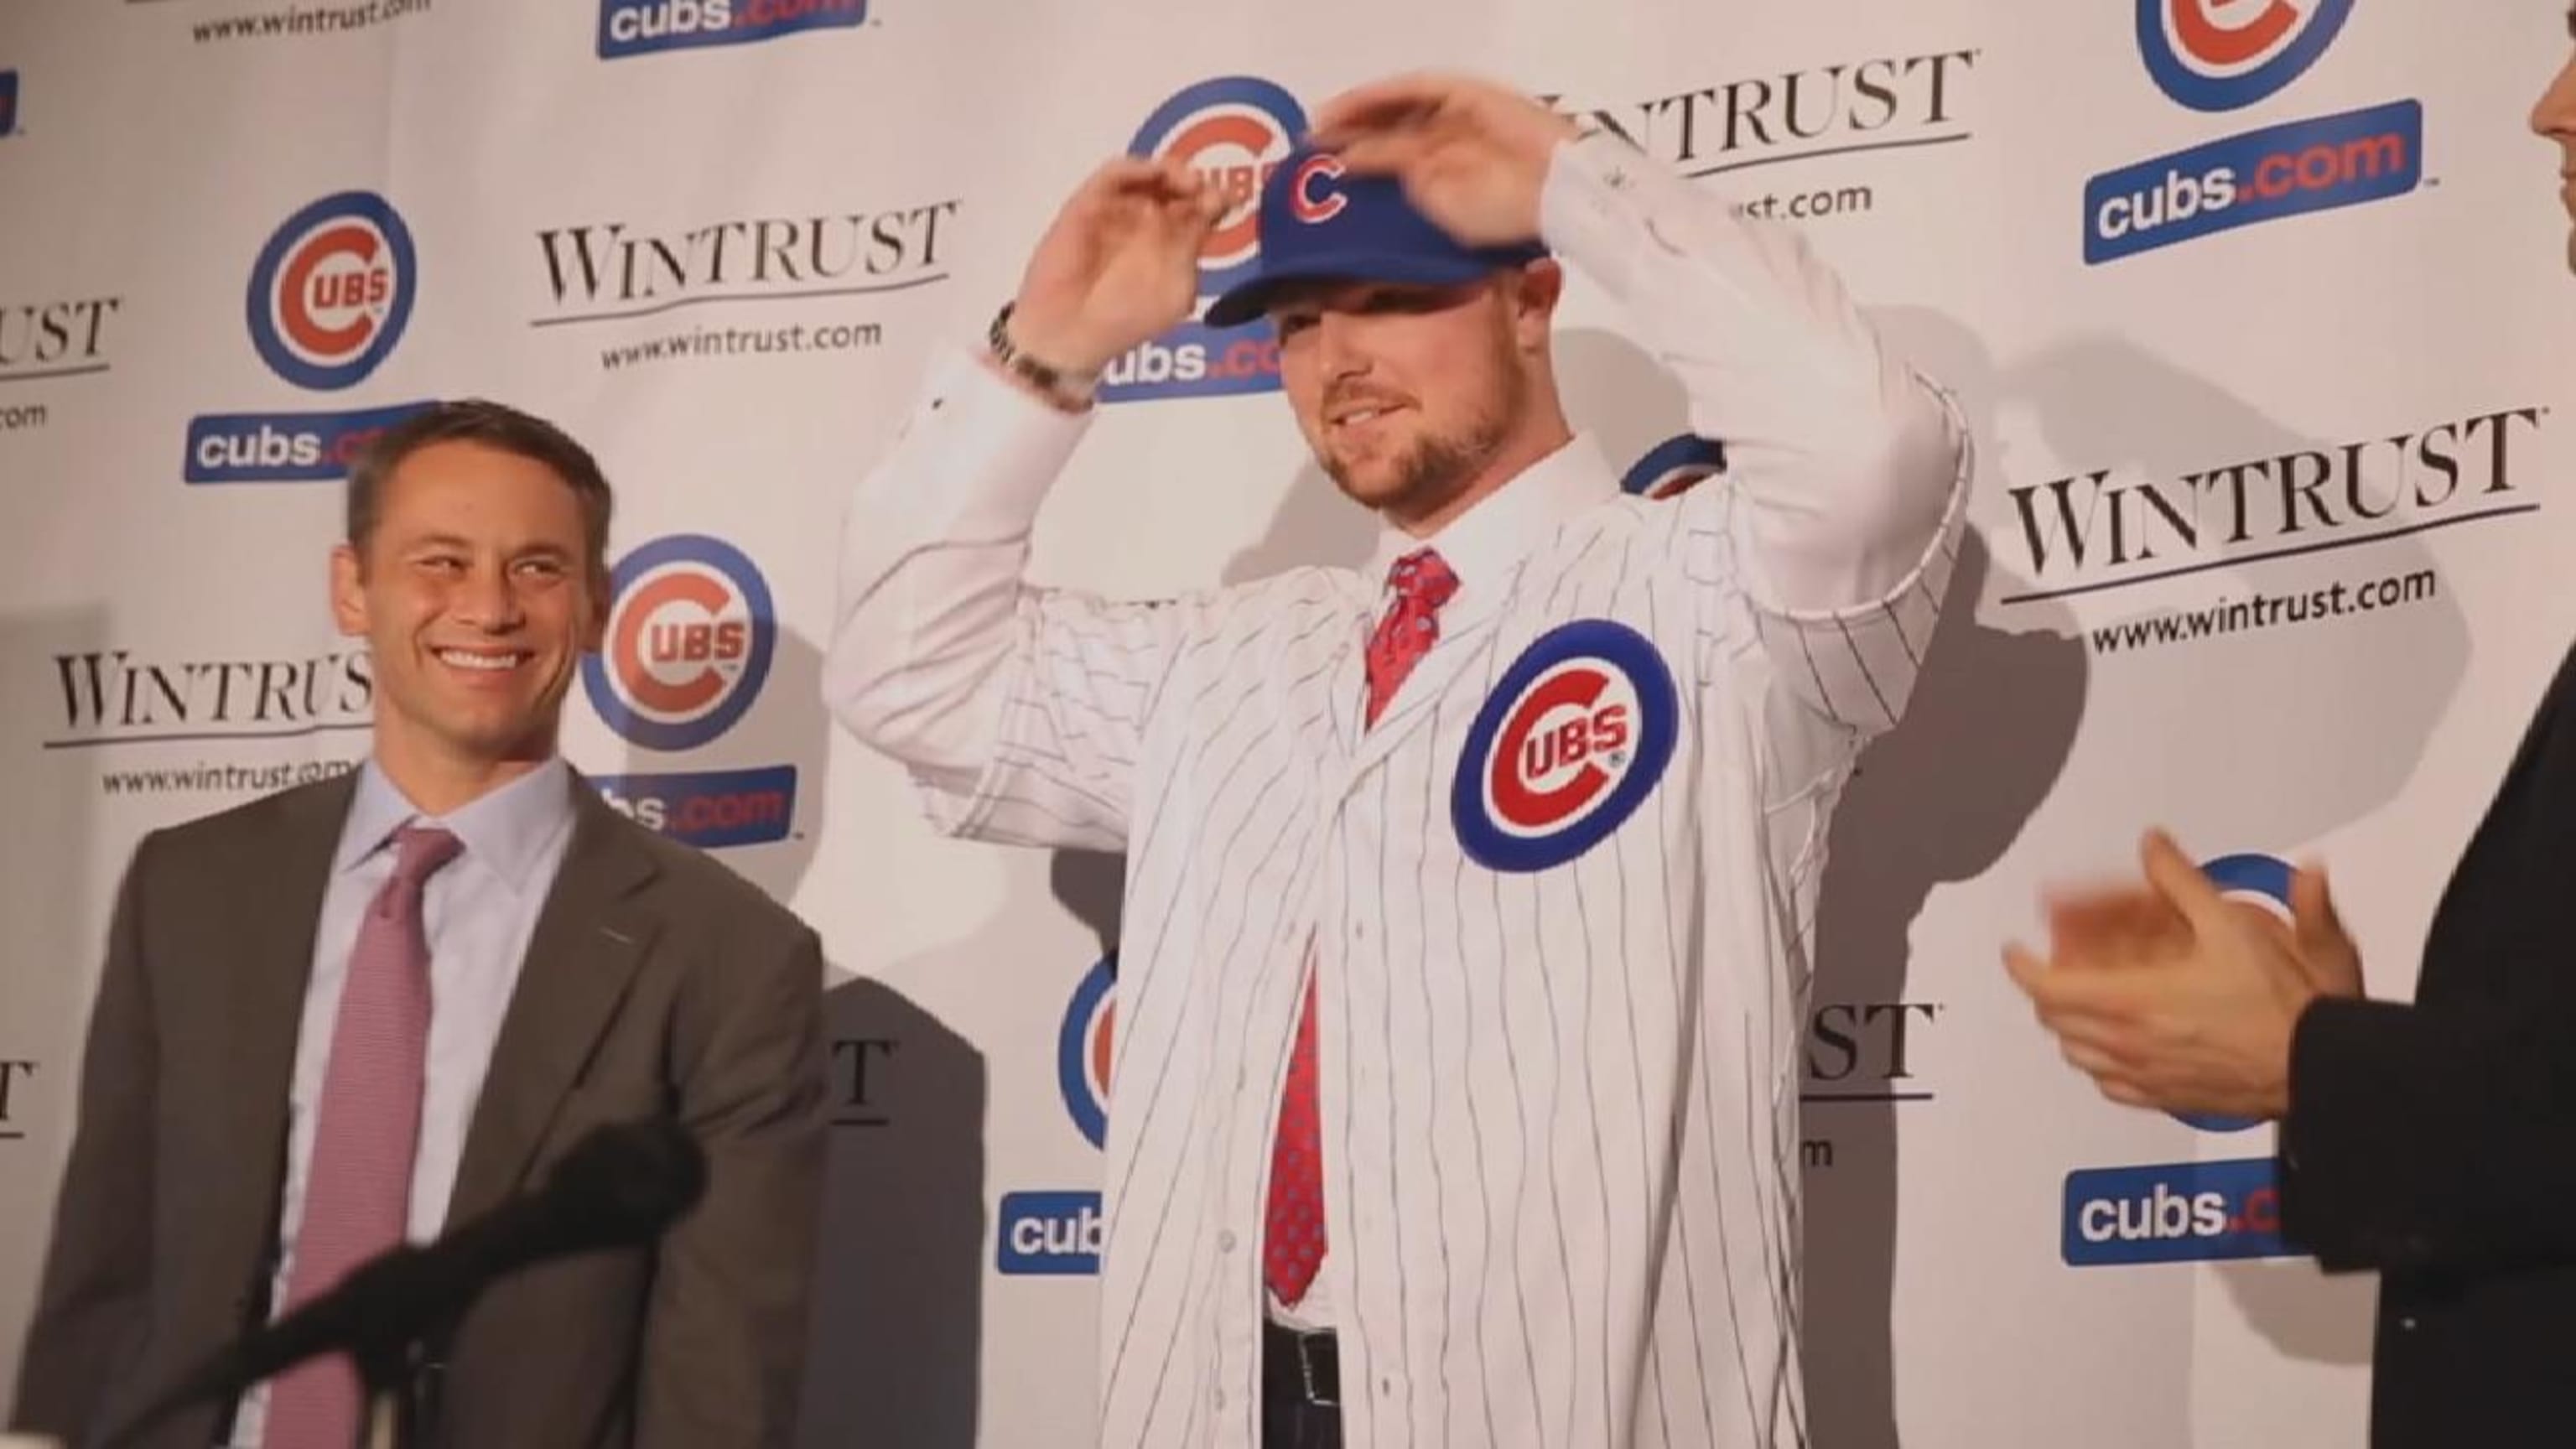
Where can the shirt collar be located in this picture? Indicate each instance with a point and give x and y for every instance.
(1484, 543)
(508, 829)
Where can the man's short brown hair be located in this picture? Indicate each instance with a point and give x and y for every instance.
(494, 425)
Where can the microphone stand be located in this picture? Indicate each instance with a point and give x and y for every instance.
(397, 1314)
(392, 1419)
(405, 1381)
(396, 1414)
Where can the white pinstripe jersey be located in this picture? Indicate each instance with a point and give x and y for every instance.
(1559, 897)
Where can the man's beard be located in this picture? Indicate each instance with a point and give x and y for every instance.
(1436, 469)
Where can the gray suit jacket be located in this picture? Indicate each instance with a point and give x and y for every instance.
(657, 981)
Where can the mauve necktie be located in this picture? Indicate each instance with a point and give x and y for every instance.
(357, 1189)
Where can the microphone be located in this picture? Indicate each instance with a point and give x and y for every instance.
(620, 1186)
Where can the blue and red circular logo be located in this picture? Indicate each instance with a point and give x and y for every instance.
(1235, 131)
(2257, 880)
(2219, 55)
(332, 290)
(690, 632)
(1082, 1050)
(1570, 742)
(1673, 466)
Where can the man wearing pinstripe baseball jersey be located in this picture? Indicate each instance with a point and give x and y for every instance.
(1469, 894)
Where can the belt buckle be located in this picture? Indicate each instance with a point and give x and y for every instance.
(1306, 1371)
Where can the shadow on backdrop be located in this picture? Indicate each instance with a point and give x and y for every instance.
(56, 894)
(2253, 744)
(896, 1336)
(1934, 802)
(2304, 1314)
(2283, 735)
(1937, 800)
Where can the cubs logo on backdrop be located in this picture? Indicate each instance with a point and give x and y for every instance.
(332, 291)
(2174, 1212)
(1235, 131)
(2187, 1211)
(1571, 740)
(641, 27)
(1049, 1234)
(688, 643)
(2223, 55)
(330, 294)
(1082, 1050)
(1057, 1232)
(2220, 55)
(8, 102)
(686, 648)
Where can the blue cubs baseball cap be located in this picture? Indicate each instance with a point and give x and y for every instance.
(1319, 224)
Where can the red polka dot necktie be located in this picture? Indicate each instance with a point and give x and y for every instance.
(1294, 1233)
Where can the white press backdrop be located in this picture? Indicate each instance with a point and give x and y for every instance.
(2266, 531)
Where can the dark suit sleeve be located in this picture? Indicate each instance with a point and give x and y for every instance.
(724, 1341)
(2430, 1139)
(91, 1304)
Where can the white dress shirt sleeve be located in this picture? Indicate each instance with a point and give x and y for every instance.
(1019, 711)
(1836, 520)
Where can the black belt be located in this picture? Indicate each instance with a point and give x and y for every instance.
(1299, 1367)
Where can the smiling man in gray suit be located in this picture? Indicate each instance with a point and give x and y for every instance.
(340, 1017)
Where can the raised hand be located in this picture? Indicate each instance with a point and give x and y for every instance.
(2176, 997)
(1471, 155)
(2332, 961)
(1118, 265)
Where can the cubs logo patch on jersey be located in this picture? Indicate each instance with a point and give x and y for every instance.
(1571, 741)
